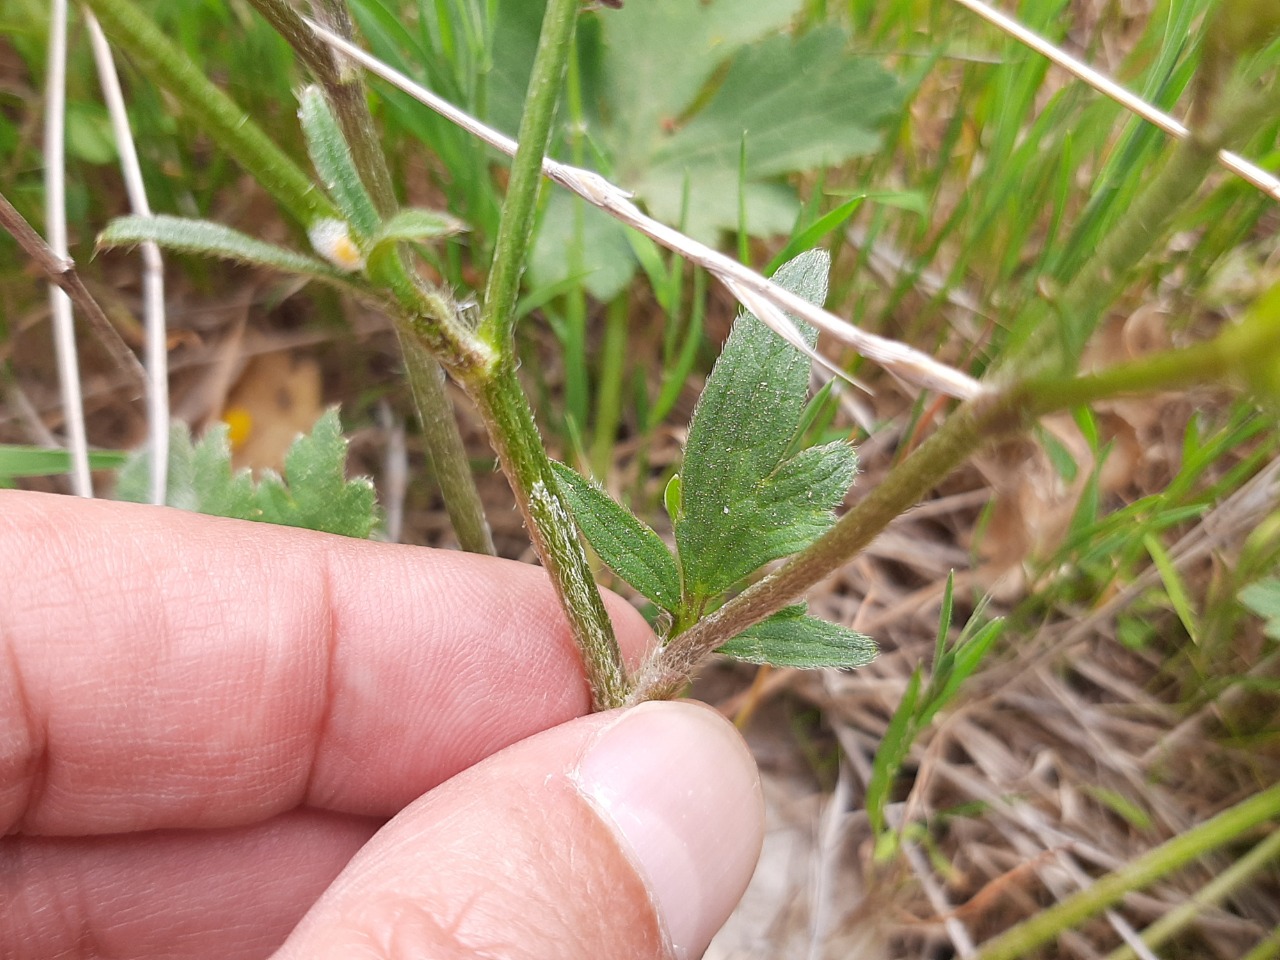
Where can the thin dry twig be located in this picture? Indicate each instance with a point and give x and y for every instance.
(61, 270)
(903, 361)
(157, 350)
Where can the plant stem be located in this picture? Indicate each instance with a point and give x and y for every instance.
(62, 271)
(1155, 864)
(345, 90)
(1251, 349)
(547, 77)
(1223, 885)
(496, 390)
(613, 361)
(224, 121)
(551, 527)
(445, 448)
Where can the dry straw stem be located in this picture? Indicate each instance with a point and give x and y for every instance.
(55, 205)
(903, 361)
(153, 312)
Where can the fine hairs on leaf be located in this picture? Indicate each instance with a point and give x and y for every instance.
(627, 545)
(741, 504)
(791, 638)
(314, 492)
(205, 238)
(331, 157)
(740, 501)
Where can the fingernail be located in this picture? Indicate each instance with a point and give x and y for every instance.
(678, 787)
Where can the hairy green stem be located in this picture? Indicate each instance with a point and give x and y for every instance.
(1170, 856)
(1251, 350)
(490, 380)
(225, 122)
(549, 64)
(524, 460)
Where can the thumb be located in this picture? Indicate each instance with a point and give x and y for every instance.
(627, 834)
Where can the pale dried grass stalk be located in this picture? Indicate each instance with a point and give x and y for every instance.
(157, 352)
(55, 200)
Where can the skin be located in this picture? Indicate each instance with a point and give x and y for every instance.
(202, 722)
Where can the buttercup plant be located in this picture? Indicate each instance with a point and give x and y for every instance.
(704, 137)
(742, 499)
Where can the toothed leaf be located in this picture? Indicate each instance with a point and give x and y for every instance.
(314, 492)
(741, 504)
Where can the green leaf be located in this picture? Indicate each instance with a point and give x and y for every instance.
(679, 89)
(661, 53)
(629, 547)
(22, 461)
(789, 638)
(414, 225)
(1263, 598)
(742, 504)
(332, 159)
(314, 492)
(210, 239)
(318, 490)
(812, 235)
(802, 104)
(603, 252)
(1174, 588)
(89, 134)
(893, 750)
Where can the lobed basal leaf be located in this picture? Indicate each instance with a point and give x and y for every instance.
(314, 492)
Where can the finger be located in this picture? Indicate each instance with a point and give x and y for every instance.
(235, 892)
(163, 669)
(620, 835)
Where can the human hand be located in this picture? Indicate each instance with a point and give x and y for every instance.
(204, 722)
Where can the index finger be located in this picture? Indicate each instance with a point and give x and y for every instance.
(164, 669)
